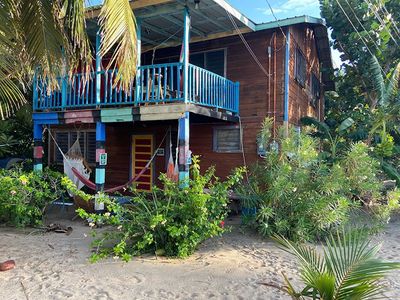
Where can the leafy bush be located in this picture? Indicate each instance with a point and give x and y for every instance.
(301, 196)
(25, 195)
(171, 221)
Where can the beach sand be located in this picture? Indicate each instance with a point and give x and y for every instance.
(234, 266)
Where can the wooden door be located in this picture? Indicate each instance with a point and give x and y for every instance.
(142, 151)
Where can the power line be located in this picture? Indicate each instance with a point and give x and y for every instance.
(276, 19)
(397, 30)
(359, 22)
(247, 45)
(378, 17)
(361, 37)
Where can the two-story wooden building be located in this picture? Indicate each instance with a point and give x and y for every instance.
(203, 74)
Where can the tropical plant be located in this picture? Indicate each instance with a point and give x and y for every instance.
(171, 221)
(347, 268)
(49, 38)
(302, 196)
(24, 196)
(329, 133)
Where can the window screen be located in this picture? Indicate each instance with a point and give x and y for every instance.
(227, 139)
(301, 68)
(62, 139)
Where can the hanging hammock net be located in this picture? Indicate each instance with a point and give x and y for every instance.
(74, 159)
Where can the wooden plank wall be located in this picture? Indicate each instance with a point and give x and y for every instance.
(302, 37)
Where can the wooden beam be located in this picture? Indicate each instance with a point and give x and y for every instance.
(196, 39)
(94, 13)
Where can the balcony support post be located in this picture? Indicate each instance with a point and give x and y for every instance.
(185, 54)
(100, 168)
(37, 147)
(139, 61)
(98, 68)
(184, 152)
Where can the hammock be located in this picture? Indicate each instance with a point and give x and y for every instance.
(77, 170)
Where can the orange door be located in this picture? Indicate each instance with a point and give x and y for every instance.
(142, 150)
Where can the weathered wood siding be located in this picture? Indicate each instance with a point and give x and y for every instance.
(302, 37)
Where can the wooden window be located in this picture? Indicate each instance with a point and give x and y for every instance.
(87, 141)
(227, 139)
(315, 90)
(300, 68)
(213, 61)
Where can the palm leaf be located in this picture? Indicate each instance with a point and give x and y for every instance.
(376, 77)
(44, 39)
(322, 127)
(118, 25)
(391, 86)
(347, 123)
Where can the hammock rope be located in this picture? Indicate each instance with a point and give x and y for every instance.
(91, 185)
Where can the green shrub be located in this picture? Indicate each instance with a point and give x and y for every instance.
(301, 196)
(25, 195)
(171, 221)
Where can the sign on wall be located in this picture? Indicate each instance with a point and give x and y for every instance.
(103, 159)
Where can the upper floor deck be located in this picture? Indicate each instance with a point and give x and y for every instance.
(158, 84)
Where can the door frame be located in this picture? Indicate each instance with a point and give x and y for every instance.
(152, 166)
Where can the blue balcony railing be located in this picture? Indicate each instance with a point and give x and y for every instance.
(154, 84)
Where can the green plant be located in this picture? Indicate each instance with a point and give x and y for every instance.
(302, 196)
(25, 195)
(171, 221)
(347, 268)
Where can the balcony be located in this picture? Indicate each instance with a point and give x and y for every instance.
(160, 84)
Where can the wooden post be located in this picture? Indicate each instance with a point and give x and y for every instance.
(186, 38)
(138, 94)
(98, 68)
(37, 147)
(100, 169)
(184, 153)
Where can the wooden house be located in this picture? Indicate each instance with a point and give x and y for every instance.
(203, 74)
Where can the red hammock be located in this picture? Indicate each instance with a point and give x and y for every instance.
(92, 185)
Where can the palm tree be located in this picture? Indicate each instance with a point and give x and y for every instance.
(346, 269)
(49, 37)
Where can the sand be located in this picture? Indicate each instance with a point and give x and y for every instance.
(55, 266)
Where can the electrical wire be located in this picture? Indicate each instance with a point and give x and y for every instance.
(397, 30)
(362, 26)
(276, 19)
(247, 45)
(380, 20)
(358, 33)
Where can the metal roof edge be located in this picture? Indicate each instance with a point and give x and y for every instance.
(290, 21)
(236, 13)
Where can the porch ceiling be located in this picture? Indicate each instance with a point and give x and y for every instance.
(162, 21)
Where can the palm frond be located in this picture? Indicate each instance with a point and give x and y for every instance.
(351, 259)
(376, 77)
(391, 86)
(43, 36)
(118, 25)
(72, 16)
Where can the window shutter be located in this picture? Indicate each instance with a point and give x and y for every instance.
(62, 141)
(91, 147)
(227, 140)
(215, 62)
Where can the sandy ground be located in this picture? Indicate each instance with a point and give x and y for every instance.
(55, 266)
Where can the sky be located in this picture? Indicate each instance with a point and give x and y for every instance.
(259, 12)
